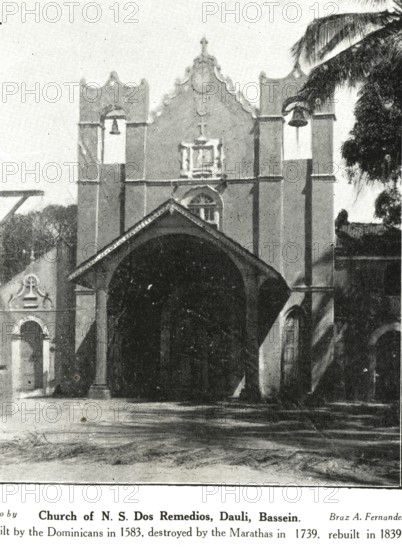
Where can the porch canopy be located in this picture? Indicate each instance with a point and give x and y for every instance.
(177, 247)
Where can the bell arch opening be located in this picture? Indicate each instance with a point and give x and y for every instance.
(176, 322)
(112, 138)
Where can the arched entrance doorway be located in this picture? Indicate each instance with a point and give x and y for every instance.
(31, 356)
(387, 373)
(176, 313)
(32, 367)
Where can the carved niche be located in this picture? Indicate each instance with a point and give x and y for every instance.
(203, 158)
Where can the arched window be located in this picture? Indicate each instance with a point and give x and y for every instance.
(205, 203)
(203, 206)
(392, 280)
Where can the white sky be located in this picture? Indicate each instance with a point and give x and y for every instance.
(158, 48)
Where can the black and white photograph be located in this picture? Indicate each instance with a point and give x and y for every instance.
(200, 242)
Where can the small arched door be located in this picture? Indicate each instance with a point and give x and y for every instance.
(31, 356)
(293, 355)
(387, 372)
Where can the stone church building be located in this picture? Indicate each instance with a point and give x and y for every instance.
(205, 265)
(207, 241)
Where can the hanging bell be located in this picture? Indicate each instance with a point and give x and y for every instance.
(115, 128)
(298, 118)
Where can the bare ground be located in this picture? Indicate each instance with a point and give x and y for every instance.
(130, 442)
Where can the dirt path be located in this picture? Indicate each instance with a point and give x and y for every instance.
(118, 441)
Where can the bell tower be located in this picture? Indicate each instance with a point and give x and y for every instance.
(111, 145)
(296, 229)
(112, 130)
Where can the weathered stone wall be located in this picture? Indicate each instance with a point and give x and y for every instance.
(53, 311)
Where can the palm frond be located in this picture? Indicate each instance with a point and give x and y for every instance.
(368, 3)
(372, 4)
(394, 51)
(323, 35)
(353, 65)
(351, 33)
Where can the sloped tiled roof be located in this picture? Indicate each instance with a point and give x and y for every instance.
(371, 239)
(170, 207)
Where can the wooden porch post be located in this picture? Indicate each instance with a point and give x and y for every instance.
(251, 391)
(99, 389)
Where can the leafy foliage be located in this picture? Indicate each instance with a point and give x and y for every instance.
(388, 207)
(341, 219)
(375, 142)
(36, 232)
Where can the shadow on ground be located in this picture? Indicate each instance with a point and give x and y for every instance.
(337, 444)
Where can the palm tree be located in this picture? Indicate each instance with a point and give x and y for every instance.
(346, 47)
(362, 49)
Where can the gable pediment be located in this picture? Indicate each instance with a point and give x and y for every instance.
(203, 80)
(202, 129)
(171, 217)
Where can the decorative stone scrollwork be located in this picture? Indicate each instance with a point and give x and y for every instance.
(202, 159)
(204, 77)
(30, 296)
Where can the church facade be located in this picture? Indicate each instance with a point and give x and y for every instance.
(204, 257)
(205, 262)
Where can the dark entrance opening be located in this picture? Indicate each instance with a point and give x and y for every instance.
(31, 356)
(176, 314)
(387, 375)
